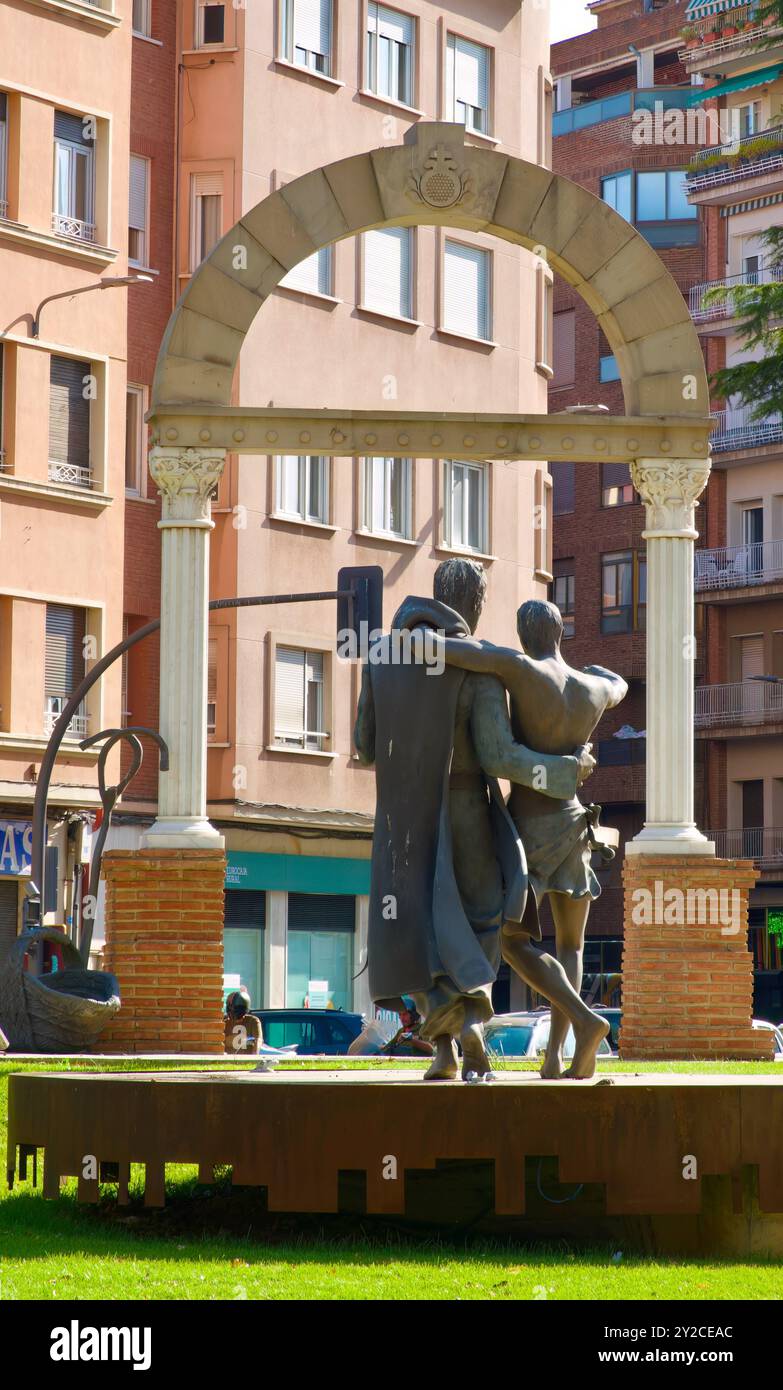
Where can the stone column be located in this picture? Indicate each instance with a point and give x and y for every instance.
(669, 489)
(185, 479)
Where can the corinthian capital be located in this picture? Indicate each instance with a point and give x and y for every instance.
(186, 479)
(669, 489)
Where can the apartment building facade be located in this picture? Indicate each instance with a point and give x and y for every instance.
(736, 183)
(615, 87)
(403, 318)
(64, 103)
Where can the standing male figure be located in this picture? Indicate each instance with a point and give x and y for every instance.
(553, 708)
(448, 867)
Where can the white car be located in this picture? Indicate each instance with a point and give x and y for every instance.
(526, 1036)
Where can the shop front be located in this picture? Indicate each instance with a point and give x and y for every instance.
(16, 843)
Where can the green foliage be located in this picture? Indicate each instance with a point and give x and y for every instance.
(759, 311)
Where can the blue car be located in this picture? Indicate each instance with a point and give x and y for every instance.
(312, 1032)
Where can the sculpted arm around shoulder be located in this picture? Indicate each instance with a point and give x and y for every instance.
(484, 658)
(364, 728)
(500, 756)
(614, 686)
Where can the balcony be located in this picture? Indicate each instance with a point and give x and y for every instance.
(712, 301)
(716, 169)
(764, 845)
(726, 45)
(613, 108)
(739, 566)
(736, 429)
(745, 704)
(72, 474)
(79, 726)
(73, 227)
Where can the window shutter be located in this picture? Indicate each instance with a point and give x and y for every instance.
(399, 28)
(9, 898)
(321, 912)
(472, 74)
(212, 675)
(137, 212)
(466, 290)
(564, 363)
(312, 276)
(71, 128)
(288, 492)
(64, 665)
(245, 907)
(387, 271)
(69, 412)
(289, 694)
(312, 25)
(752, 657)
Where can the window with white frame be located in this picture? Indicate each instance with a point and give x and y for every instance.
(564, 596)
(390, 53)
(466, 510)
(313, 276)
(134, 438)
(64, 666)
(69, 421)
(73, 214)
(388, 497)
(302, 487)
(306, 34)
(299, 699)
(138, 211)
(467, 83)
(206, 217)
(3, 155)
(210, 23)
(467, 298)
(387, 271)
(141, 21)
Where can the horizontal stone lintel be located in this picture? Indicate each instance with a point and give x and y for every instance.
(590, 438)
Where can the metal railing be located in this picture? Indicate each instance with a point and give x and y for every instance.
(764, 845)
(742, 166)
(736, 566)
(746, 37)
(742, 702)
(736, 429)
(73, 226)
(612, 108)
(72, 474)
(721, 306)
(79, 724)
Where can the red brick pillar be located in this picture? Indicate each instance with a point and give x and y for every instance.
(687, 970)
(164, 942)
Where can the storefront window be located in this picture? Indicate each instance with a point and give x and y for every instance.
(320, 947)
(243, 944)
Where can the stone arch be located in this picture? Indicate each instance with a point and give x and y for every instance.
(436, 179)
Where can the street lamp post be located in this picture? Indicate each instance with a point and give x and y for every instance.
(110, 282)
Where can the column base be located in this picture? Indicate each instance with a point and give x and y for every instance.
(687, 971)
(182, 832)
(164, 942)
(659, 839)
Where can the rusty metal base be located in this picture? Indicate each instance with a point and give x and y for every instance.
(587, 1153)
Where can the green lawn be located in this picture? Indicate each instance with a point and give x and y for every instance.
(215, 1244)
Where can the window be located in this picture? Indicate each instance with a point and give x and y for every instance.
(564, 349)
(321, 930)
(563, 487)
(387, 259)
(542, 523)
(302, 487)
(467, 306)
(617, 191)
(206, 215)
(564, 598)
(617, 490)
(387, 497)
(69, 421)
(138, 211)
(467, 84)
(74, 176)
(748, 118)
(134, 438)
(243, 940)
(307, 34)
(313, 276)
(64, 664)
(212, 684)
(141, 23)
(3, 155)
(2, 429)
(390, 40)
(658, 195)
(608, 369)
(210, 23)
(545, 347)
(641, 593)
(299, 699)
(617, 593)
(465, 506)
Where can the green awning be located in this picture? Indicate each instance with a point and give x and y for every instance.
(703, 9)
(743, 83)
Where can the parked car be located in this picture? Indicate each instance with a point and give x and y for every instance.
(615, 1017)
(762, 1026)
(526, 1036)
(311, 1032)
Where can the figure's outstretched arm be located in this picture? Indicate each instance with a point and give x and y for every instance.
(364, 728)
(615, 687)
(469, 654)
(500, 756)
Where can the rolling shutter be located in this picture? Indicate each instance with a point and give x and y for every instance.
(466, 290)
(71, 128)
(212, 684)
(69, 412)
(137, 210)
(752, 649)
(312, 25)
(321, 912)
(245, 908)
(65, 629)
(9, 898)
(467, 74)
(289, 694)
(387, 271)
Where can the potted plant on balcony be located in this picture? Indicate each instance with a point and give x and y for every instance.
(710, 35)
(690, 36)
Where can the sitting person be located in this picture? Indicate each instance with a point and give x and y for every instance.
(242, 1029)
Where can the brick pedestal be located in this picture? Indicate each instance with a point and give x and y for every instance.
(687, 970)
(164, 942)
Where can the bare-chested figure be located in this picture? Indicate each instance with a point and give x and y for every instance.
(554, 708)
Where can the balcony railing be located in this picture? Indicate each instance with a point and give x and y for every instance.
(721, 307)
(742, 159)
(736, 429)
(79, 725)
(737, 566)
(73, 226)
(745, 39)
(70, 473)
(764, 845)
(612, 108)
(742, 703)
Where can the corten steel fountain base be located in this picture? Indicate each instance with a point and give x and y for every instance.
(666, 1162)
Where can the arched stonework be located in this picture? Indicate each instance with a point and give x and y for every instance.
(435, 178)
